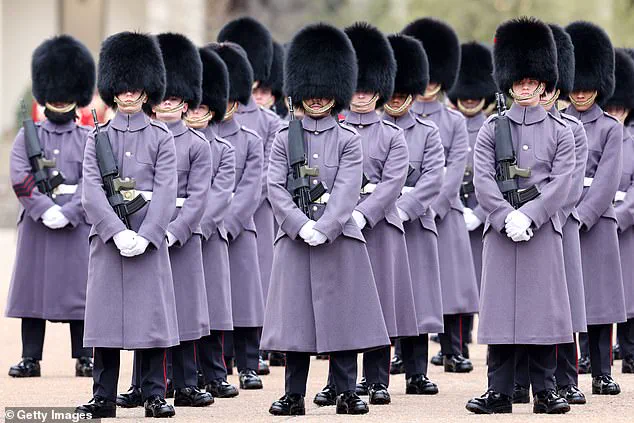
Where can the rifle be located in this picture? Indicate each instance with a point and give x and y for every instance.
(124, 204)
(412, 176)
(466, 188)
(507, 171)
(39, 163)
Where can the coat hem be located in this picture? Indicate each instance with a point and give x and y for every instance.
(250, 324)
(548, 341)
(221, 326)
(606, 321)
(193, 336)
(95, 343)
(32, 315)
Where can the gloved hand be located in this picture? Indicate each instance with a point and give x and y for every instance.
(139, 247)
(306, 232)
(51, 215)
(620, 196)
(316, 239)
(405, 190)
(522, 236)
(471, 220)
(402, 214)
(171, 239)
(56, 220)
(125, 240)
(517, 223)
(359, 219)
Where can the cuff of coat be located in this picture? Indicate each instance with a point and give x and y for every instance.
(331, 228)
(587, 217)
(208, 230)
(73, 215)
(153, 233)
(480, 214)
(498, 216)
(441, 206)
(180, 230)
(233, 227)
(39, 207)
(293, 223)
(536, 211)
(408, 204)
(372, 215)
(108, 227)
(624, 218)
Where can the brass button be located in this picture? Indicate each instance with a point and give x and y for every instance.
(55, 173)
(525, 147)
(127, 195)
(360, 126)
(469, 149)
(315, 156)
(54, 196)
(315, 181)
(56, 151)
(316, 132)
(315, 208)
(128, 154)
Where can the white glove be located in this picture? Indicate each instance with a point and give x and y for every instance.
(56, 220)
(171, 239)
(306, 232)
(402, 214)
(51, 215)
(470, 219)
(405, 190)
(139, 247)
(522, 236)
(125, 240)
(620, 196)
(517, 223)
(317, 238)
(359, 219)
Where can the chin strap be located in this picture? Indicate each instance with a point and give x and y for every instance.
(190, 121)
(60, 110)
(374, 98)
(432, 93)
(177, 108)
(537, 92)
(583, 103)
(398, 111)
(318, 112)
(229, 113)
(548, 104)
(134, 103)
(470, 111)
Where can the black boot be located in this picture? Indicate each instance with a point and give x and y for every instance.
(362, 387)
(605, 385)
(322, 356)
(288, 405)
(420, 385)
(437, 359)
(263, 368)
(490, 403)
(191, 396)
(326, 396)
(379, 394)
(465, 350)
(83, 367)
(277, 359)
(548, 402)
(627, 365)
(521, 395)
(156, 406)
(220, 388)
(132, 398)
(200, 380)
(397, 366)
(350, 403)
(28, 367)
(250, 380)
(616, 352)
(584, 365)
(572, 394)
(98, 407)
(457, 364)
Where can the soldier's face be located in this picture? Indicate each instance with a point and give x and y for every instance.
(395, 103)
(196, 117)
(582, 100)
(431, 92)
(470, 102)
(129, 101)
(618, 112)
(263, 96)
(163, 110)
(363, 102)
(525, 88)
(315, 104)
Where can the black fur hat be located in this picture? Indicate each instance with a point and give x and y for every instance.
(594, 59)
(412, 68)
(255, 39)
(442, 47)
(375, 58)
(524, 48)
(215, 87)
(624, 74)
(62, 69)
(183, 68)
(565, 60)
(475, 79)
(240, 71)
(131, 61)
(321, 63)
(276, 79)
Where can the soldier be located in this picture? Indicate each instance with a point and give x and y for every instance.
(130, 301)
(421, 188)
(51, 265)
(457, 274)
(269, 91)
(603, 283)
(473, 90)
(215, 92)
(321, 268)
(523, 253)
(246, 288)
(620, 106)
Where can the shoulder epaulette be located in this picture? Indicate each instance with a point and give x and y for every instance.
(158, 124)
(566, 116)
(611, 117)
(558, 119)
(198, 134)
(270, 112)
(455, 112)
(391, 124)
(348, 128)
(250, 131)
(426, 122)
(223, 141)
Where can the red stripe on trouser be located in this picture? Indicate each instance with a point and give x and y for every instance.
(222, 343)
(611, 356)
(195, 354)
(165, 371)
(576, 353)
(556, 352)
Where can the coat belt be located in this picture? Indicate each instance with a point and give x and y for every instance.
(64, 189)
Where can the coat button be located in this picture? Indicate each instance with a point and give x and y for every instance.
(55, 173)
(469, 149)
(54, 196)
(316, 132)
(360, 126)
(128, 154)
(315, 181)
(315, 208)
(56, 151)
(315, 156)
(525, 147)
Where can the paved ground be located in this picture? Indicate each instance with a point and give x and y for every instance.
(58, 387)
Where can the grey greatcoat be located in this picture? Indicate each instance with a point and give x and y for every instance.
(323, 298)
(51, 265)
(625, 216)
(524, 295)
(130, 301)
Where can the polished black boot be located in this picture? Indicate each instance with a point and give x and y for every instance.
(605, 385)
(28, 367)
(350, 403)
(277, 359)
(155, 406)
(420, 385)
(98, 407)
(326, 396)
(457, 364)
(362, 387)
(397, 366)
(191, 396)
(379, 394)
(584, 365)
(490, 403)
(572, 394)
(132, 398)
(627, 365)
(220, 388)
(548, 402)
(200, 380)
(250, 380)
(521, 395)
(437, 359)
(83, 367)
(263, 368)
(288, 405)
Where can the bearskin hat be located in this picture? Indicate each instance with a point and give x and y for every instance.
(183, 68)
(524, 48)
(63, 70)
(215, 88)
(412, 68)
(565, 60)
(276, 79)
(131, 61)
(240, 71)
(475, 79)
(624, 75)
(321, 63)
(594, 59)
(255, 39)
(442, 48)
(375, 58)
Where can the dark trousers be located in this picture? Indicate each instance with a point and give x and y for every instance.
(376, 366)
(397, 348)
(584, 346)
(246, 343)
(414, 352)
(451, 339)
(227, 345)
(502, 363)
(33, 338)
(467, 329)
(152, 372)
(209, 356)
(625, 335)
(566, 372)
(184, 370)
(600, 345)
(342, 371)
